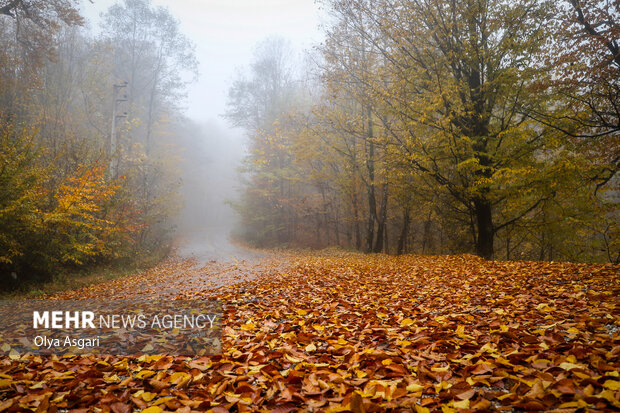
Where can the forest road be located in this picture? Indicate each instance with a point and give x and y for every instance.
(201, 261)
(213, 244)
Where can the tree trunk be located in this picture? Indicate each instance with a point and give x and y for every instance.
(381, 221)
(372, 201)
(508, 248)
(372, 217)
(356, 225)
(404, 233)
(426, 233)
(484, 220)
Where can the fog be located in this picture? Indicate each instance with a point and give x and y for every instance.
(225, 33)
(210, 157)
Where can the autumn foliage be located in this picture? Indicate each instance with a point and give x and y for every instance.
(87, 174)
(343, 332)
(487, 127)
(76, 222)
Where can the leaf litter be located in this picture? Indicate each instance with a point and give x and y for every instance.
(343, 332)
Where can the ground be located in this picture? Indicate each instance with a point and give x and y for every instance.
(340, 331)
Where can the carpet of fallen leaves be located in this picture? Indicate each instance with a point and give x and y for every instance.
(339, 332)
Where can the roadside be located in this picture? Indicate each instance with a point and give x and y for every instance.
(85, 278)
(201, 260)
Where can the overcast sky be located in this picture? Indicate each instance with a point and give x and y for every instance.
(225, 32)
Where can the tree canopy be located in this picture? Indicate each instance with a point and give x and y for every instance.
(446, 126)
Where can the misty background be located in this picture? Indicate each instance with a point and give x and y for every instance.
(225, 35)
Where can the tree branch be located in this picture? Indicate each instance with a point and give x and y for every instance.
(610, 44)
(7, 10)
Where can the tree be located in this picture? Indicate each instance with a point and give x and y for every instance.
(352, 65)
(584, 57)
(157, 61)
(152, 55)
(260, 102)
(461, 74)
(36, 22)
(425, 134)
(59, 205)
(28, 36)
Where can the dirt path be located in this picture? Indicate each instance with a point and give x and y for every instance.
(201, 263)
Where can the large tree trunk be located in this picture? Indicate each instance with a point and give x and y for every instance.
(484, 220)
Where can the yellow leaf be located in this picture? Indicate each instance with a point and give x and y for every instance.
(406, 322)
(64, 377)
(142, 374)
(414, 387)
(301, 312)
(444, 385)
(180, 378)
(310, 348)
(504, 396)
(573, 404)
(570, 366)
(609, 396)
(292, 359)
(545, 307)
(152, 409)
(612, 385)
(463, 404)
(249, 326)
(420, 409)
(112, 379)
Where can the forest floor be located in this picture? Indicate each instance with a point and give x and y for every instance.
(338, 331)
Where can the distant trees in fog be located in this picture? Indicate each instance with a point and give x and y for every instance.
(439, 127)
(60, 202)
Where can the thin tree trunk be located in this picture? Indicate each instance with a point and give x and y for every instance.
(356, 224)
(381, 221)
(426, 233)
(372, 201)
(404, 233)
